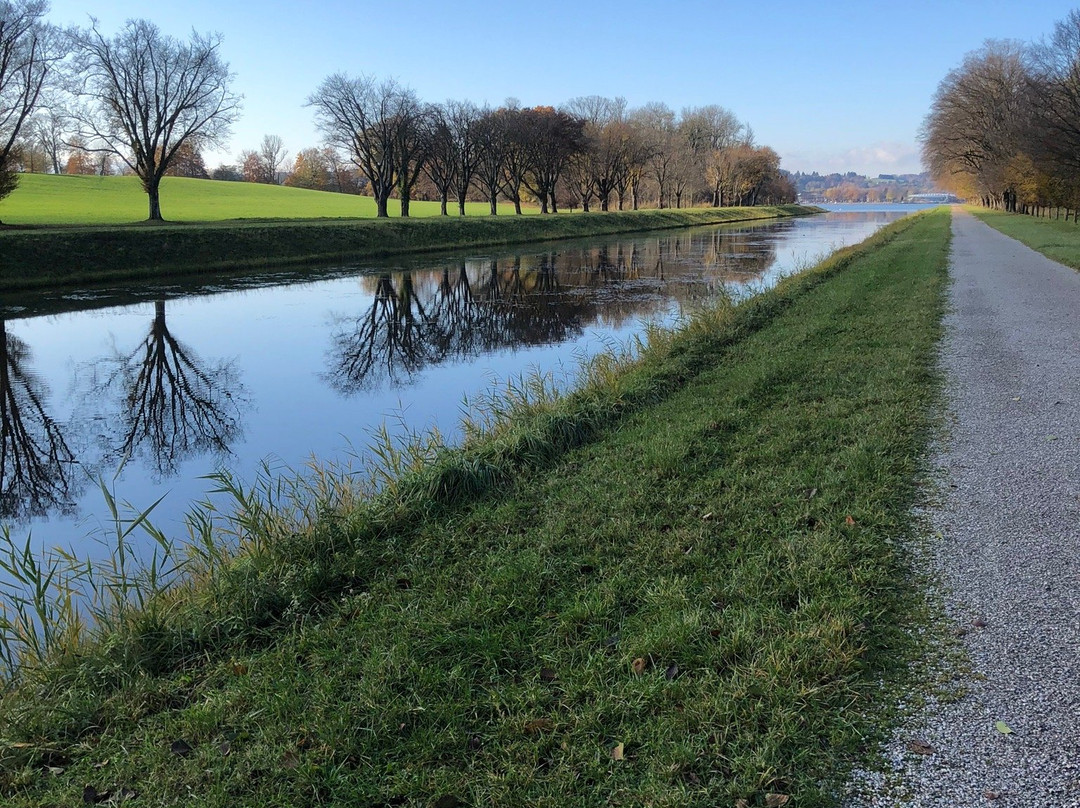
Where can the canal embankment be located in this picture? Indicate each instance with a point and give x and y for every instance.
(66, 256)
(683, 583)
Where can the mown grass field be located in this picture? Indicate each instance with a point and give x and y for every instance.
(1055, 238)
(46, 199)
(682, 585)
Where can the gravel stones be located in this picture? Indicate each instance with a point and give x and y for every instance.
(1007, 546)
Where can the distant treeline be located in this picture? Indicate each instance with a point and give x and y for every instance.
(852, 187)
(1004, 126)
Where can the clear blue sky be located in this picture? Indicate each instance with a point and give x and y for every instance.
(833, 85)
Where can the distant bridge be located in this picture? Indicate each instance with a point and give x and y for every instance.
(933, 199)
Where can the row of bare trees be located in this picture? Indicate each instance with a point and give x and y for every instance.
(1004, 126)
(583, 154)
(150, 102)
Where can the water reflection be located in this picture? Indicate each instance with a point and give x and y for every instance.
(36, 464)
(316, 361)
(416, 319)
(171, 404)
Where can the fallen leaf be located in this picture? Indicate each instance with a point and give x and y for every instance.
(548, 675)
(991, 795)
(125, 794)
(475, 743)
(101, 765)
(741, 803)
(849, 520)
(777, 800)
(1003, 728)
(920, 747)
(672, 671)
(55, 771)
(180, 748)
(809, 493)
(239, 669)
(448, 801)
(617, 753)
(290, 760)
(538, 725)
(225, 748)
(638, 665)
(707, 516)
(980, 622)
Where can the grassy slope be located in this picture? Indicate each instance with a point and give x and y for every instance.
(1054, 238)
(709, 586)
(45, 199)
(79, 255)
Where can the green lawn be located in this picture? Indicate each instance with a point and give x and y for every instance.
(682, 586)
(61, 199)
(1055, 238)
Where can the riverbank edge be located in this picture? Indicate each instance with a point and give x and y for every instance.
(70, 256)
(306, 571)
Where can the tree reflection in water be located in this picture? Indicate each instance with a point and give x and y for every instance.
(405, 331)
(36, 465)
(173, 405)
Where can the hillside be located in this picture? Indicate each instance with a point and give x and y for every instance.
(62, 199)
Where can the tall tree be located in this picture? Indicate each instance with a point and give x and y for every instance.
(146, 94)
(272, 153)
(551, 138)
(29, 50)
(492, 142)
(463, 121)
(441, 165)
(973, 127)
(369, 121)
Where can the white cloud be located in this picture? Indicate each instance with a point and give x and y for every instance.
(877, 158)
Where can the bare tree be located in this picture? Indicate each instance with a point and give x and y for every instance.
(441, 165)
(146, 94)
(29, 50)
(272, 153)
(492, 142)
(49, 132)
(369, 121)
(463, 119)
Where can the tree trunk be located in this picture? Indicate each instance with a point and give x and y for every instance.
(517, 204)
(405, 203)
(381, 201)
(604, 203)
(461, 203)
(494, 201)
(153, 192)
(442, 204)
(554, 203)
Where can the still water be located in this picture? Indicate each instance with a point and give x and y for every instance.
(151, 389)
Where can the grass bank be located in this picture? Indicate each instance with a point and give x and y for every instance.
(678, 586)
(59, 199)
(69, 256)
(1056, 239)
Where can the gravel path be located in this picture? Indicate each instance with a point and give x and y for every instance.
(1007, 546)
